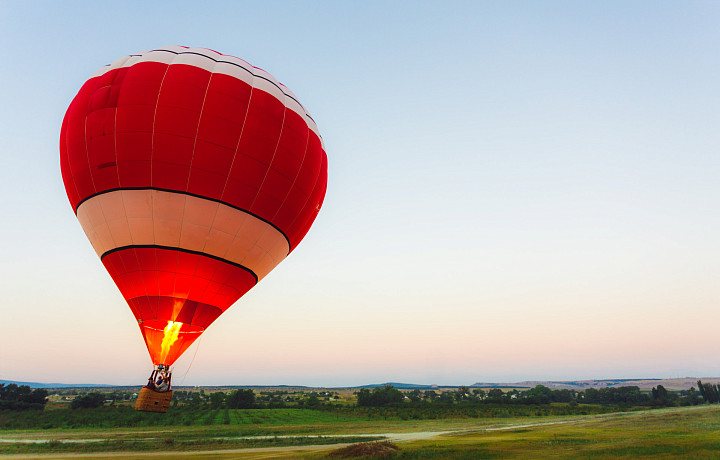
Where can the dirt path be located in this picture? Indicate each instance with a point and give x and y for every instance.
(247, 452)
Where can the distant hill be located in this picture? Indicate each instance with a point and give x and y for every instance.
(683, 383)
(644, 384)
(56, 385)
(400, 386)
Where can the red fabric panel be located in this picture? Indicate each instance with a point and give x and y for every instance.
(135, 119)
(134, 173)
(250, 172)
(293, 146)
(152, 272)
(306, 217)
(205, 183)
(100, 131)
(213, 158)
(65, 165)
(184, 86)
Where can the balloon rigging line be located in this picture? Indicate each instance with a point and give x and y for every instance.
(192, 361)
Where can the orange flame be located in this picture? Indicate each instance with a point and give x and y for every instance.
(171, 335)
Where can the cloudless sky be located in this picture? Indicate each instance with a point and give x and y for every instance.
(517, 190)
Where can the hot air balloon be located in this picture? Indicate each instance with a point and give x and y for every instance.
(193, 174)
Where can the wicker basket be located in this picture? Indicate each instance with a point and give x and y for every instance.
(153, 401)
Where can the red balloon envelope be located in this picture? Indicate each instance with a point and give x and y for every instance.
(193, 174)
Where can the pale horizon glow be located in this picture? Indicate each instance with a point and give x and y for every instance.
(517, 191)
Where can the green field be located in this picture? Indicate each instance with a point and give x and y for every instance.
(677, 433)
(690, 432)
(341, 417)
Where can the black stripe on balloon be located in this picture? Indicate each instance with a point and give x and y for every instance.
(171, 248)
(190, 194)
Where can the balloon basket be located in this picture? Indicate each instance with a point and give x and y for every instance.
(153, 401)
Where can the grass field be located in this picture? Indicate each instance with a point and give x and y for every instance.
(677, 433)
(123, 416)
(691, 432)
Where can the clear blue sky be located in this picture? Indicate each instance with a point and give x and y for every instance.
(517, 190)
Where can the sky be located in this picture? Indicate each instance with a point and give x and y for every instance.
(516, 191)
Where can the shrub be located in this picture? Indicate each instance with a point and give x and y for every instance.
(88, 401)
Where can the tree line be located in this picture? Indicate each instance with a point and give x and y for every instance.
(539, 395)
(236, 399)
(14, 397)
(247, 399)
